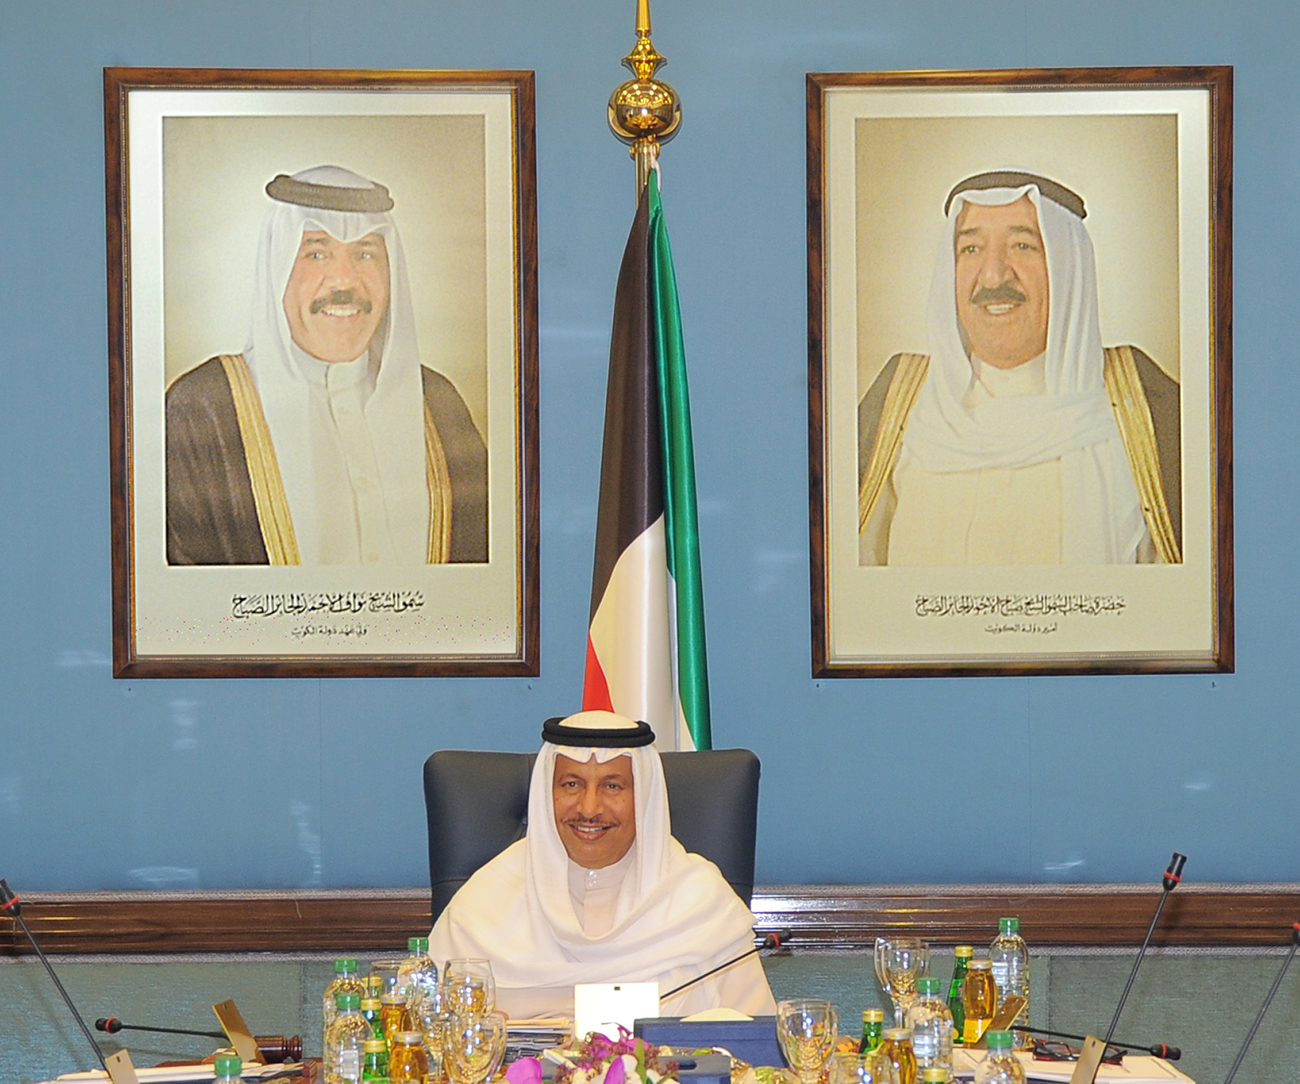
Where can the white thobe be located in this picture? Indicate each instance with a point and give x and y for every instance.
(594, 893)
(991, 517)
(351, 517)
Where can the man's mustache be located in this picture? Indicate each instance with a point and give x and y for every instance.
(992, 295)
(341, 297)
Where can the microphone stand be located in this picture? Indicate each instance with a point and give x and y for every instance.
(1169, 882)
(1094, 1049)
(1259, 1017)
(11, 904)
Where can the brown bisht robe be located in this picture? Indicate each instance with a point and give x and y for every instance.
(211, 513)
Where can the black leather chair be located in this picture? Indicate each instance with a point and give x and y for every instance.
(477, 805)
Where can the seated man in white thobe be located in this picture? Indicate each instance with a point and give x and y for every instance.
(599, 890)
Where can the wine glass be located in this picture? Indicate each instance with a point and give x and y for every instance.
(882, 976)
(468, 986)
(807, 1029)
(905, 960)
(473, 1045)
(429, 1016)
(870, 1068)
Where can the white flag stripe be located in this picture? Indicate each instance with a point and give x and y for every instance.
(631, 639)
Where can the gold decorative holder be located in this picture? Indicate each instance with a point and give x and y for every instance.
(644, 112)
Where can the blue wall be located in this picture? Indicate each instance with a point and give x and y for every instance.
(261, 783)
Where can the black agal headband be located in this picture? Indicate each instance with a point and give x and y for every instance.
(1010, 178)
(614, 737)
(330, 197)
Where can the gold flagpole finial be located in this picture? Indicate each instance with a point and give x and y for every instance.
(644, 112)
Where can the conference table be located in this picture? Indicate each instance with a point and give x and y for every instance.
(1136, 1069)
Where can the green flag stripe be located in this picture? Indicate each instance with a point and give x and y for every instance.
(681, 519)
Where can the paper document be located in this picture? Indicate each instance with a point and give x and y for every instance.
(175, 1074)
(1137, 1069)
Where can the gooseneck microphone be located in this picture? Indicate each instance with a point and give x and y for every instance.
(1259, 1017)
(11, 904)
(771, 941)
(273, 1048)
(1160, 1050)
(112, 1025)
(1168, 883)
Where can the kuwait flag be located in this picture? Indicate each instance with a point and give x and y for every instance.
(645, 646)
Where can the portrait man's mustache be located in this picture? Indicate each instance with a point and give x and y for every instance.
(342, 297)
(992, 295)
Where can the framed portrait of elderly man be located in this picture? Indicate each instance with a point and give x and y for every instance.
(1019, 290)
(323, 372)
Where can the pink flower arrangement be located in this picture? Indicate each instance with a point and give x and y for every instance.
(597, 1059)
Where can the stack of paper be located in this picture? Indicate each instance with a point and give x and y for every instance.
(1143, 1069)
(177, 1074)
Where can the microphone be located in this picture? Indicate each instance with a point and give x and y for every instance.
(273, 1048)
(1259, 1017)
(1173, 875)
(1160, 1050)
(11, 904)
(113, 1025)
(775, 939)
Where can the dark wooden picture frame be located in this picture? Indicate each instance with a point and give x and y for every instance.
(188, 155)
(914, 136)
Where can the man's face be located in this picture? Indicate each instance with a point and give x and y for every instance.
(337, 294)
(1002, 289)
(595, 809)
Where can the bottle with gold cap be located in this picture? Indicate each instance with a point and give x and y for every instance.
(979, 999)
(896, 1045)
(370, 1007)
(962, 954)
(407, 1061)
(374, 1069)
(935, 1076)
(873, 1023)
(394, 1017)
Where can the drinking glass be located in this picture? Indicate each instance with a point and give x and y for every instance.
(882, 977)
(807, 1029)
(473, 1045)
(871, 1068)
(387, 972)
(468, 986)
(429, 1017)
(906, 959)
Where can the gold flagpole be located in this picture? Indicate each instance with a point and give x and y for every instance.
(644, 112)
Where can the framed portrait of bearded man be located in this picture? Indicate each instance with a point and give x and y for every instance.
(1020, 428)
(323, 372)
